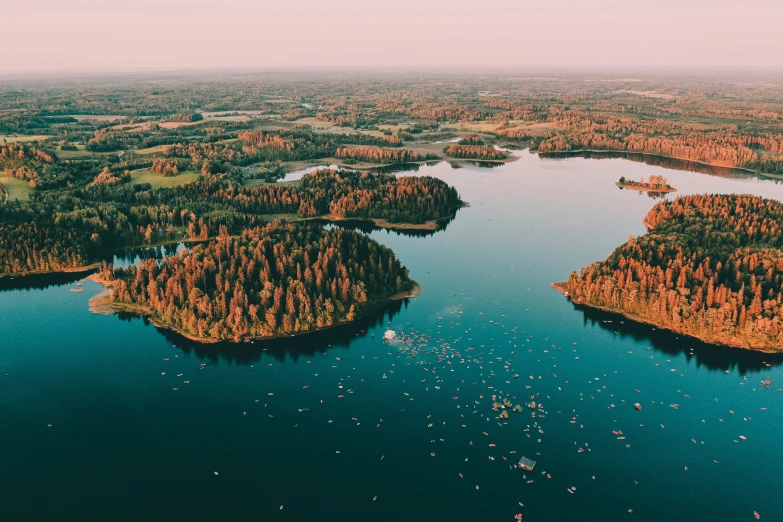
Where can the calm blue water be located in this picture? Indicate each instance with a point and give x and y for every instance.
(141, 420)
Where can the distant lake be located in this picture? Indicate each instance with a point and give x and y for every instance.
(142, 419)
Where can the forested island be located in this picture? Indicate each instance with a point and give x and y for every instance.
(653, 184)
(272, 281)
(710, 267)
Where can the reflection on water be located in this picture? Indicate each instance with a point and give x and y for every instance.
(296, 175)
(367, 227)
(123, 258)
(650, 193)
(41, 281)
(656, 161)
(708, 355)
(402, 167)
(460, 164)
(295, 347)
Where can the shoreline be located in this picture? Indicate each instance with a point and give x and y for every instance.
(643, 188)
(651, 154)
(561, 287)
(428, 226)
(73, 270)
(432, 225)
(102, 304)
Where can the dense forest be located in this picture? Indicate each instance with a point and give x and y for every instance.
(59, 231)
(457, 150)
(693, 142)
(711, 267)
(407, 199)
(271, 281)
(377, 155)
(156, 158)
(471, 139)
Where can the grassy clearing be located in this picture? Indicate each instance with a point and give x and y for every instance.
(315, 124)
(240, 117)
(152, 150)
(97, 117)
(178, 124)
(537, 128)
(17, 189)
(133, 127)
(254, 183)
(158, 181)
(21, 139)
(79, 154)
(221, 114)
(471, 127)
(379, 133)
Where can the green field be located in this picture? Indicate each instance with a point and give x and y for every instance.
(152, 150)
(82, 153)
(158, 181)
(17, 188)
(98, 117)
(20, 139)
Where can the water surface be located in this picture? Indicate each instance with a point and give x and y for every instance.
(130, 437)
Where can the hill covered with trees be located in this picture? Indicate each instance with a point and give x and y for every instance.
(710, 267)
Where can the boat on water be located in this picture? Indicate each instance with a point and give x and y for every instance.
(637, 406)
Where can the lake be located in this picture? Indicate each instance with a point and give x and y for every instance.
(344, 425)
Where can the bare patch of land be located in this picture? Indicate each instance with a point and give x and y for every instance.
(650, 94)
(158, 181)
(97, 117)
(178, 124)
(20, 138)
(152, 150)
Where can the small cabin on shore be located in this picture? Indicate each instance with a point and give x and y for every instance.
(526, 464)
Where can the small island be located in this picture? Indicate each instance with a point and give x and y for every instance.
(274, 281)
(655, 183)
(711, 267)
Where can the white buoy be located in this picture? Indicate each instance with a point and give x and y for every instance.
(389, 335)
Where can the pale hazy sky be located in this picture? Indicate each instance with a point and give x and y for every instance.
(40, 35)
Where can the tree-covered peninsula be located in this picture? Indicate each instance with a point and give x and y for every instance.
(710, 267)
(68, 229)
(277, 280)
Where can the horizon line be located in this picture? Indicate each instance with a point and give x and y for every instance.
(643, 70)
